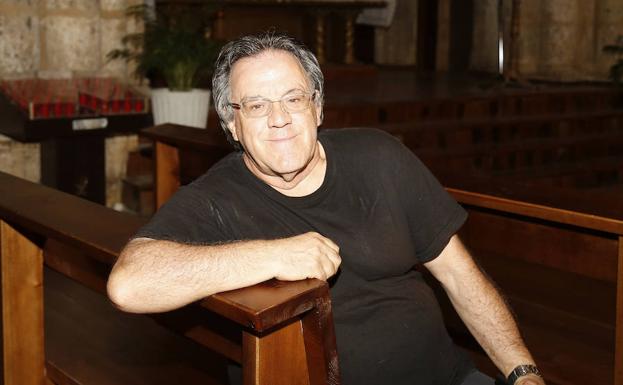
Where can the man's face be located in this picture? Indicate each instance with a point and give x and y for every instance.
(281, 144)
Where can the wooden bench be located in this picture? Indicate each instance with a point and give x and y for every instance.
(283, 331)
(560, 261)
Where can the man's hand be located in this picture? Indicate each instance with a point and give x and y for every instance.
(308, 255)
(530, 379)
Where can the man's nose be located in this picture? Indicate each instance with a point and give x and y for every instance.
(278, 116)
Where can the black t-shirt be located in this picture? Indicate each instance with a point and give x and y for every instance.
(385, 211)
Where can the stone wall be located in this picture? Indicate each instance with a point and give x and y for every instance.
(63, 39)
(559, 40)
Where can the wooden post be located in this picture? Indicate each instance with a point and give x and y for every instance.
(167, 172)
(618, 345)
(22, 308)
(276, 358)
(320, 345)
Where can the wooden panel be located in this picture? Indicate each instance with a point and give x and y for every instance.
(76, 265)
(618, 357)
(22, 308)
(277, 358)
(167, 172)
(89, 342)
(566, 249)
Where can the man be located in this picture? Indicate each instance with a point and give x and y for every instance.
(352, 206)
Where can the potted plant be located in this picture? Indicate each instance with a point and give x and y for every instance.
(174, 49)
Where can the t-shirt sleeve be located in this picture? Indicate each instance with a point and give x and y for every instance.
(433, 214)
(187, 217)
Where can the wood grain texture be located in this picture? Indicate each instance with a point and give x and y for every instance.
(618, 354)
(275, 358)
(166, 171)
(267, 305)
(22, 308)
(539, 211)
(186, 137)
(320, 344)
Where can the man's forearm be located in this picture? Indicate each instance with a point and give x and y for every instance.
(490, 321)
(481, 307)
(155, 276)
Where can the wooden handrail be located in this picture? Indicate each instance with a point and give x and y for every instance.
(186, 137)
(549, 213)
(68, 226)
(101, 233)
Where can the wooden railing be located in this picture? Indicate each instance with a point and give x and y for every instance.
(285, 329)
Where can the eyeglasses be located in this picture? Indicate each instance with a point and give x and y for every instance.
(291, 103)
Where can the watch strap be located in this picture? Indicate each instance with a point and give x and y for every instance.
(522, 370)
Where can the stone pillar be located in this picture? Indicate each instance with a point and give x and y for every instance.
(442, 59)
(19, 38)
(561, 40)
(19, 50)
(485, 39)
(397, 44)
(529, 43)
(608, 25)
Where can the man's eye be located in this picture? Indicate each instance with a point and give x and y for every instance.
(294, 99)
(255, 106)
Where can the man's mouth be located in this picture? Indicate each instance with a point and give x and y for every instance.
(281, 139)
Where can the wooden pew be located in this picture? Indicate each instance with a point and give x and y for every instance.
(566, 251)
(285, 329)
(559, 259)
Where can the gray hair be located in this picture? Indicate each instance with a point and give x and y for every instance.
(252, 45)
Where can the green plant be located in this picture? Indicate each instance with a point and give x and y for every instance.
(616, 71)
(173, 46)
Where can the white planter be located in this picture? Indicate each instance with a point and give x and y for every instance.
(188, 108)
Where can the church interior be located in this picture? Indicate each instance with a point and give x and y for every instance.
(516, 106)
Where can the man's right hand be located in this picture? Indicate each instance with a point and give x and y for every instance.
(308, 255)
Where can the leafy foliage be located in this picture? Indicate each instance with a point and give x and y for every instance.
(173, 45)
(616, 71)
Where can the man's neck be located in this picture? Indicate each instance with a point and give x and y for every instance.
(302, 183)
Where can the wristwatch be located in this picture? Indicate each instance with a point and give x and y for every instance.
(522, 370)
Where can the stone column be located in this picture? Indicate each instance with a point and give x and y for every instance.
(608, 25)
(529, 43)
(485, 39)
(442, 59)
(561, 40)
(19, 50)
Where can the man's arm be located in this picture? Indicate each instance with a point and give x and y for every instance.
(155, 276)
(482, 309)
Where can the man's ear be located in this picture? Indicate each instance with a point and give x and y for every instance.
(318, 109)
(231, 126)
